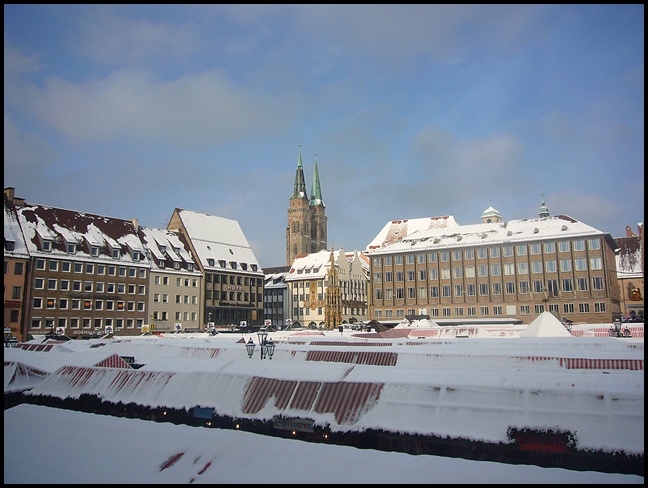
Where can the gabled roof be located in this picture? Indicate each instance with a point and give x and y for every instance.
(316, 265)
(219, 239)
(13, 234)
(64, 226)
(164, 245)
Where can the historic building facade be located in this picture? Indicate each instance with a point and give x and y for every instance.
(175, 287)
(88, 274)
(276, 302)
(233, 279)
(16, 271)
(328, 288)
(497, 269)
(630, 272)
(306, 231)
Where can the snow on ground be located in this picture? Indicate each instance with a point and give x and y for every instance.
(50, 446)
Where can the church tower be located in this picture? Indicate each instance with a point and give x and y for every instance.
(318, 214)
(306, 231)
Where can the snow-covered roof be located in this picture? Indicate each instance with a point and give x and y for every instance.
(512, 231)
(469, 388)
(51, 361)
(219, 240)
(396, 230)
(314, 264)
(62, 227)
(165, 245)
(13, 233)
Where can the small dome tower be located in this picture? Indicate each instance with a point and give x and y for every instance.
(491, 215)
(544, 210)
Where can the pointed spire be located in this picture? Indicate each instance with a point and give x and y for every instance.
(299, 190)
(544, 210)
(316, 193)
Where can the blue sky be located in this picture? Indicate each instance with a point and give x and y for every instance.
(130, 111)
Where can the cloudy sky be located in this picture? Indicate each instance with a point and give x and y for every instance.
(411, 111)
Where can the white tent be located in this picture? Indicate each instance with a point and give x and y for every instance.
(546, 325)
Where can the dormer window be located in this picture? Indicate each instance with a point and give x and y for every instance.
(221, 263)
(254, 267)
(190, 266)
(161, 264)
(47, 245)
(94, 251)
(162, 249)
(210, 261)
(233, 264)
(71, 248)
(136, 255)
(10, 245)
(176, 265)
(115, 253)
(244, 266)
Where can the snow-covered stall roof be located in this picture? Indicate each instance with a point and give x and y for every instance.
(51, 361)
(545, 325)
(467, 388)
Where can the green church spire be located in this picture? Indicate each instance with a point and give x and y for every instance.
(316, 193)
(300, 184)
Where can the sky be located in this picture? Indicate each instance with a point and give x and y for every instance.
(410, 111)
(471, 387)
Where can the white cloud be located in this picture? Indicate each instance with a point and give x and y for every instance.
(202, 109)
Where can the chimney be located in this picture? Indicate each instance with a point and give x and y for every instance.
(135, 224)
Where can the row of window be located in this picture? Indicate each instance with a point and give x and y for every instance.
(233, 264)
(494, 310)
(232, 296)
(18, 267)
(301, 311)
(492, 251)
(184, 316)
(187, 282)
(89, 286)
(233, 279)
(90, 268)
(495, 288)
(483, 270)
(305, 297)
(87, 304)
(85, 323)
(73, 247)
(164, 298)
(176, 265)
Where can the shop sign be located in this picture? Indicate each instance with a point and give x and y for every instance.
(293, 423)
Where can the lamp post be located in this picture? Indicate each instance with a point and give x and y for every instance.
(267, 346)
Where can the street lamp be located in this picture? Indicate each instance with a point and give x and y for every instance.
(267, 346)
(250, 348)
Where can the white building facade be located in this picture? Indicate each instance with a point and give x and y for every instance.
(328, 288)
(497, 269)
